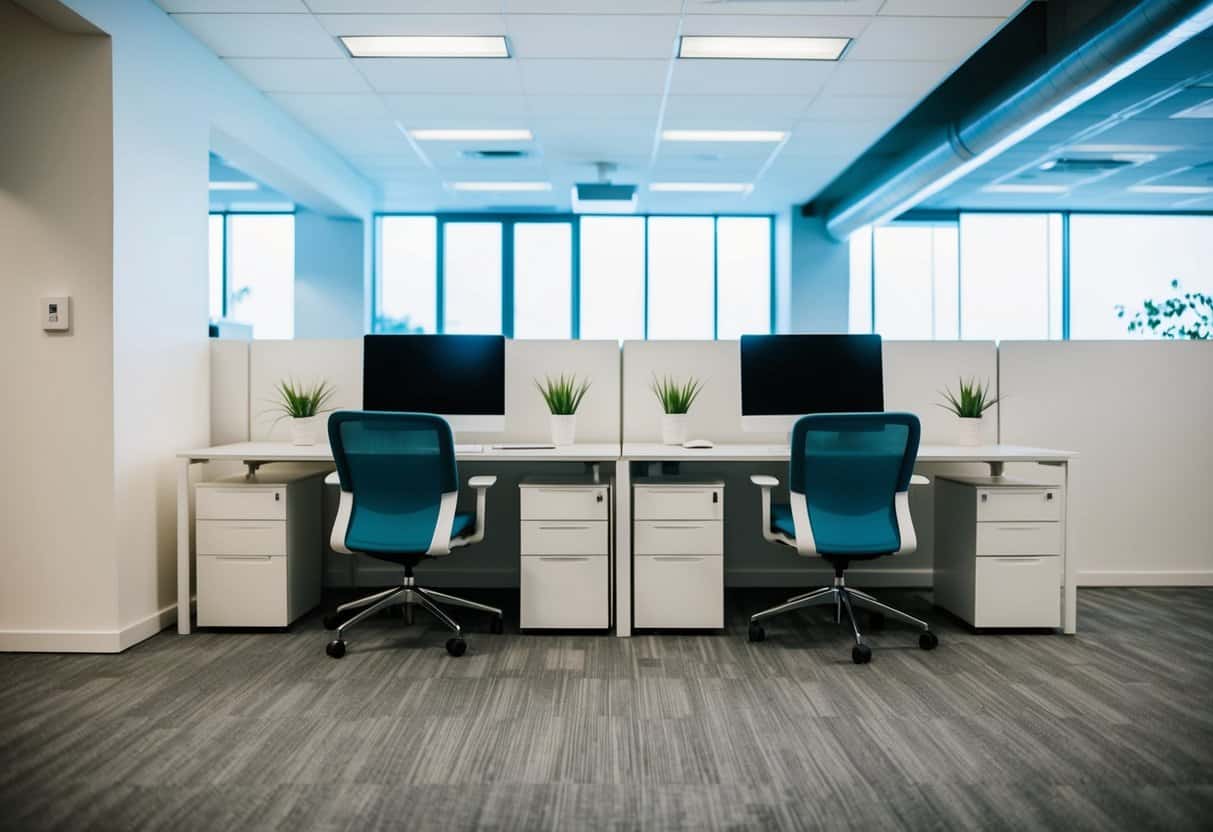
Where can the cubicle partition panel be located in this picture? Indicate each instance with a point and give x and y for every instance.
(1138, 413)
(306, 361)
(229, 391)
(917, 372)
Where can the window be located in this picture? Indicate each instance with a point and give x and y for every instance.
(1010, 266)
(261, 273)
(471, 278)
(743, 276)
(408, 261)
(680, 286)
(215, 263)
(1126, 259)
(860, 303)
(543, 280)
(612, 264)
(915, 281)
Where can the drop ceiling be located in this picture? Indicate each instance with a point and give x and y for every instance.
(1159, 120)
(595, 80)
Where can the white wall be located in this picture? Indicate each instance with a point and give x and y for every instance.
(819, 278)
(56, 219)
(1138, 412)
(330, 276)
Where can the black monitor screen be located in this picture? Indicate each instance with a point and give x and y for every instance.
(791, 375)
(444, 374)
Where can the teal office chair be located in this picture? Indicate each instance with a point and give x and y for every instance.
(399, 487)
(848, 484)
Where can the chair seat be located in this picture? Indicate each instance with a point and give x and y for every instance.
(465, 523)
(781, 521)
(462, 525)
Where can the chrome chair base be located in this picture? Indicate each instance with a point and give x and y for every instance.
(409, 596)
(844, 599)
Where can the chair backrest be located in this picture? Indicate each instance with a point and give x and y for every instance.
(397, 466)
(849, 466)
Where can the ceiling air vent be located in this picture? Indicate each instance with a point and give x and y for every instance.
(494, 154)
(1068, 164)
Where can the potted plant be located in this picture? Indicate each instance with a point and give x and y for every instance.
(303, 406)
(676, 400)
(970, 403)
(563, 397)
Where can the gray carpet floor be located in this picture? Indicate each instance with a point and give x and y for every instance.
(1110, 729)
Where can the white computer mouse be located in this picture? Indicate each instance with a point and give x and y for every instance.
(698, 444)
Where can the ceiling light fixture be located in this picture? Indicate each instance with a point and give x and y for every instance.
(442, 134)
(723, 135)
(702, 187)
(762, 48)
(1171, 189)
(499, 187)
(1123, 148)
(1008, 188)
(234, 185)
(426, 46)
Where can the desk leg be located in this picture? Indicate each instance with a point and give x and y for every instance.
(183, 545)
(1069, 605)
(623, 548)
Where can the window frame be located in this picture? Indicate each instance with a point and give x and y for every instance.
(227, 242)
(509, 220)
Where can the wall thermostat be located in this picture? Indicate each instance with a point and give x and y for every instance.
(56, 314)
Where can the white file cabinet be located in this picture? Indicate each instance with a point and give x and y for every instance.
(565, 544)
(678, 554)
(258, 546)
(998, 550)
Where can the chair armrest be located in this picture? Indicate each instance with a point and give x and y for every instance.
(332, 479)
(919, 479)
(483, 481)
(764, 480)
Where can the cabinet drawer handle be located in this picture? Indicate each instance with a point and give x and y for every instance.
(562, 528)
(684, 527)
(1019, 528)
(249, 558)
(1019, 560)
(678, 557)
(563, 557)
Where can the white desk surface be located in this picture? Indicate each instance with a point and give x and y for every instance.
(286, 452)
(926, 453)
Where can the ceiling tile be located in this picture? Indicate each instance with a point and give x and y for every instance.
(889, 108)
(922, 39)
(435, 108)
(593, 6)
(778, 109)
(712, 77)
(775, 25)
(785, 7)
(261, 35)
(233, 6)
(441, 75)
(953, 8)
(412, 24)
(817, 139)
(403, 6)
(592, 36)
(908, 79)
(314, 75)
(593, 77)
(594, 106)
(330, 105)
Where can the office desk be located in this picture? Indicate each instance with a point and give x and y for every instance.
(995, 456)
(256, 454)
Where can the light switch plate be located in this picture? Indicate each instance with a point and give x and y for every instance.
(56, 314)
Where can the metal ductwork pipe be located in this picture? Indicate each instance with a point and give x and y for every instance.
(1111, 48)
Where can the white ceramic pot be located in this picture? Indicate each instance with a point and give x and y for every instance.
(564, 429)
(305, 431)
(970, 431)
(673, 428)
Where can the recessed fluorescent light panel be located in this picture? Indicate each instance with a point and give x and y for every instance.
(470, 135)
(702, 187)
(763, 48)
(1025, 189)
(1182, 190)
(426, 46)
(237, 185)
(1124, 148)
(723, 135)
(500, 187)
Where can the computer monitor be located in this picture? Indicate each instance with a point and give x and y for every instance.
(784, 377)
(459, 377)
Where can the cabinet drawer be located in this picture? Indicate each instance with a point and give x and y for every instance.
(238, 503)
(565, 591)
(679, 591)
(1026, 504)
(555, 502)
(242, 591)
(1018, 592)
(674, 503)
(678, 537)
(564, 537)
(241, 537)
(994, 539)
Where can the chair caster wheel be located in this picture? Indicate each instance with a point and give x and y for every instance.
(497, 627)
(928, 641)
(456, 647)
(331, 621)
(335, 648)
(861, 654)
(757, 633)
(876, 621)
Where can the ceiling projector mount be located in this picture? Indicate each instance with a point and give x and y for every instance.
(603, 196)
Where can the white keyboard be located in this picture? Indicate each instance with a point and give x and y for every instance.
(469, 449)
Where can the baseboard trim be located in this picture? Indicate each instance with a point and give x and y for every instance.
(888, 578)
(87, 641)
(1145, 577)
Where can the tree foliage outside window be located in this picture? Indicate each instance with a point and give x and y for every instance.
(1184, 316)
